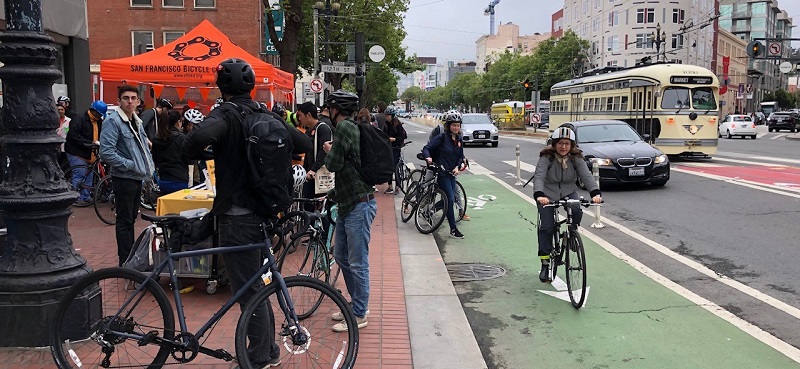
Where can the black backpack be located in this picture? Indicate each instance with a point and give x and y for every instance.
(268, 144)
(376, 155)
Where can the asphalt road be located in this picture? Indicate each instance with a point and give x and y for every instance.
(724, 228)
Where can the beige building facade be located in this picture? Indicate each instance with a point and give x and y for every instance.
(733, 48)
(489, 47)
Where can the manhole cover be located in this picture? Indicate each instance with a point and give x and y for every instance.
(473, 272)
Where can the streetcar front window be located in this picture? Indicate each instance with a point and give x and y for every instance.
(703, 99)
(675, 98)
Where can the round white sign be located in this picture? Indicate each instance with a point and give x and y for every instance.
(377, 53)
(786, 67)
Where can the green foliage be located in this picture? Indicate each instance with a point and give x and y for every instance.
(412, 94)
(552, 62)
(785, 99)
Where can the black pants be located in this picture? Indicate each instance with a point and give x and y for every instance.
(236, 230)
(127, 193)
(547, 225)
(395, 160)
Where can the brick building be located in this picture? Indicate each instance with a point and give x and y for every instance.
(122, 28)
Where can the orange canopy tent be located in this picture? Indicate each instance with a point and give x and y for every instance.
(190, 61)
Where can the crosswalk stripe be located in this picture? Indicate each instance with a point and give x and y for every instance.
(780, 135)
(522, 165)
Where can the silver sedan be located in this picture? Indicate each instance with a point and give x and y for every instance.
(478, 128)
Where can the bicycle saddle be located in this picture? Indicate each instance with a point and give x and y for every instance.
(165, 220)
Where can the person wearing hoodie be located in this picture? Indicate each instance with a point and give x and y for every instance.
(172, 165)
(84, 132)
(123, 145)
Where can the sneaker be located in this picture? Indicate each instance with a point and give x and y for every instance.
(456, 234)
(342, 327)
(544, 274)
(389, 191)
(270, 364)
(338, 316)
(81, 203)
(466, 217)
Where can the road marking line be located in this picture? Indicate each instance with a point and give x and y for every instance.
(764, 158)
(754, 331)
(748, 162)
(522, 165)
(777, 136)
(780, 190)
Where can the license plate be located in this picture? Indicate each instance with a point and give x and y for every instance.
(481, 136)
(635, 172)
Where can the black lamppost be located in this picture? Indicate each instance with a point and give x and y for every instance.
(327, 9)
(658, 38)
(38, 262)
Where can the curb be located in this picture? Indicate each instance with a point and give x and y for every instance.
(793, 137)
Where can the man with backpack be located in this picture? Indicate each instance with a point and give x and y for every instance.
(240, 205)
(357, 207)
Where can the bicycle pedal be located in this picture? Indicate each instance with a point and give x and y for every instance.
(148, 338)
(224, 355)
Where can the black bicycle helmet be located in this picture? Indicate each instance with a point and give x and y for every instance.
(235, 77)
(346, 102)
(164, 103)
(390, 111)
(279, 109)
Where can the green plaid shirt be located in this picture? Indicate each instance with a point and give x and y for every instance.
(345, 154)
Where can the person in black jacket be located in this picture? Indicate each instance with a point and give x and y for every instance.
(150, 117)
(171, 163)
(319, 132)
(84, 132)
(397, 136)
(447, 150)
(239, 224)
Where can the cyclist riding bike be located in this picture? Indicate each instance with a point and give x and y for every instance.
(560, 166)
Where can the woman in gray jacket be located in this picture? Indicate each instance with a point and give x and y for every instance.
(557, 172)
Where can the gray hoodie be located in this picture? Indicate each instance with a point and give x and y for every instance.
(554, 182)
(124, 147)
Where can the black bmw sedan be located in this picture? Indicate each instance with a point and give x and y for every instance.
(620, 152)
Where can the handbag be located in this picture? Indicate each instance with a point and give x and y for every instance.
(324, 179)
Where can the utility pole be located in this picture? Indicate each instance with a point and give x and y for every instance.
(315, 72)
(360, 67)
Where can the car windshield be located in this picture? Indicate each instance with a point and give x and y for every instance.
(607, 133)
(675, 98)
(703, 99)
(475, 119)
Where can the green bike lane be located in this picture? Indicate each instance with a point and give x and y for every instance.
(629, 319)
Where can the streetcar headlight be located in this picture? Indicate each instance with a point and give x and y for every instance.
(601, 162)
(661, 159)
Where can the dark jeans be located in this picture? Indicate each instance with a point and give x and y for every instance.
(127, 193)
(547, 225)
(395, 160)
(236, 230)
(447, 183)
(167, 186)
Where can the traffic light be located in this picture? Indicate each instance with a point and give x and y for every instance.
(755, 49)
(527, 84)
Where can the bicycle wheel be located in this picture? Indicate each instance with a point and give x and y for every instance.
(575, 269)
(92, 312)
(460, 202)
(304, 263)
(415, 176)
(149, 196)
(105, 204)
(409, 204)
(431, 211)
(402, 174)
(314, 344)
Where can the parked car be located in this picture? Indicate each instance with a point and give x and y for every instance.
(783, 120)
(620, 153)
(737, 125)
(478, 128)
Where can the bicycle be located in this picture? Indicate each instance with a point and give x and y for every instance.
(568, 251)
(92, 173)
(417, 176)
(426, 202)
(106, 318)
(401, 173)
(105, 204)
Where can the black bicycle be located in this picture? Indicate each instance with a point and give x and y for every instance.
(402, 174)
(117, 317)
(568, 250)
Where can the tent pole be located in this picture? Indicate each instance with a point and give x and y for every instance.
(102, 83)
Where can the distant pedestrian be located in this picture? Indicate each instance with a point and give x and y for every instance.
(83, 133)
(66, 102)
(172, 165)
(150, 117)
(63, 129)
(357, 207)
(397, 136)
(320, 133)
(123, 145)
(380, 118)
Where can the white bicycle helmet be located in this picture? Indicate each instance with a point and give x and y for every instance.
(452, 116)
(299, 176)
(563, 132)
(194, 116)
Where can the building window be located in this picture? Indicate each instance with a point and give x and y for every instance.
(643, 41)
(142, 3)
(142, 42)
(611, 63)
(170, 36)
(677, 41)
(598, 4)
(172, 3)
(646, 15)
(596, 24)
(205, 3)
(678, 16)
(613, 19)
(585, 6)
(613, 43)
(758, 8)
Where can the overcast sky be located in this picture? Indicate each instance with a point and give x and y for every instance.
(448, 29)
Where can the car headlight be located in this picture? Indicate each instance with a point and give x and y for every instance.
(468, 132)
(494, 130)
(661, 159)
(601, 162)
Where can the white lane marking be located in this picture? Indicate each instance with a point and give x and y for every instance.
(748, 162)
(762, 158)
(562, 291)
(478, 169)
(754, 331)
(695, 165)
(780, 190)
(777, 136)
(524, 138)
(522, 165)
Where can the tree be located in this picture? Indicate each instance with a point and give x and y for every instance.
(411, 94)
(784, 99)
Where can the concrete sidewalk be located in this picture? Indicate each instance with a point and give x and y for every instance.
(415, 315)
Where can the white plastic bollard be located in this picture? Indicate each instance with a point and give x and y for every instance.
(598, 223)
(519, 175)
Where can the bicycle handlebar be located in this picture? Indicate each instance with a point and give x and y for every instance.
(564, 202)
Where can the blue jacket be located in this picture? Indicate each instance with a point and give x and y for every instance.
(444, 151)
(124, 147)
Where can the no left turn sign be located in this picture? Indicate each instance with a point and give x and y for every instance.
(316, 85)
(774, 49)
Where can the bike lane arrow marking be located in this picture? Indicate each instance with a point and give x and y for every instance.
(562, 291)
